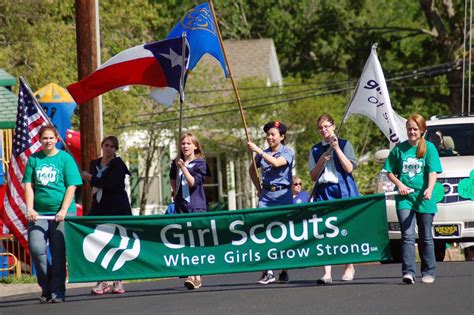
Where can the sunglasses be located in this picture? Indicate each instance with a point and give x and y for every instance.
(297, 184)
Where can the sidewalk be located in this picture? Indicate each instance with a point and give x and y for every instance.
(16, 289)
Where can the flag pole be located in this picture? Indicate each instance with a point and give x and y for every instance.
(181, 87)
(236, 93)
(43, 114)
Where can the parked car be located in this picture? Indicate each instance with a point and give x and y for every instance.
(454, 221)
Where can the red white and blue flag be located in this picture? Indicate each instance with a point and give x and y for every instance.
(25, 142)
(157, 64)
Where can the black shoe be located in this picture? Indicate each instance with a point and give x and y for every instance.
(324, 281)
(57, 300)
(283, 277)
(44, 299)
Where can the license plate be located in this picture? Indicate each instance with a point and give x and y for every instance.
(446, 230)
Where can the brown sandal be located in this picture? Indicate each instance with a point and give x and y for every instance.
(197, 283)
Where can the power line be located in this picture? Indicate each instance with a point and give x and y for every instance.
(251, 107)
(164, 121)
(424, 72)
(443, 66)
(233, 102)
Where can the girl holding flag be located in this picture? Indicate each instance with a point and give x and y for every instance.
(276, 163)
(187, 177)
(413, 164)
(330, 164)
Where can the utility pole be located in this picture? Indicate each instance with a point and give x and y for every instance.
(87, 61)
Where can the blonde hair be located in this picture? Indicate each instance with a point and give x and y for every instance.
(295, 178)
(421, 123)
(198, 153)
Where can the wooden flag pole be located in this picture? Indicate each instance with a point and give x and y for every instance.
(234, 86)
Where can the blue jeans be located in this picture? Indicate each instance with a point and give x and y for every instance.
(51, 275)
(424, 221)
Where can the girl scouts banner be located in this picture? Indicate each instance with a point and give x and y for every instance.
(351, 230)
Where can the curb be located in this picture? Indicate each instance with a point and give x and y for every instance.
(17, 289)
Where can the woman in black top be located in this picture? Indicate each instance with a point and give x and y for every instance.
(107, 178)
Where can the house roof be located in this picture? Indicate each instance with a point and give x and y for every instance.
(250, 58)
(8, 108)
(6, 79)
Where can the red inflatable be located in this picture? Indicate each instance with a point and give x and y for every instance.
(73, 140)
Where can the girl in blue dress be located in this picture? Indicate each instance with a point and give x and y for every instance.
(276, 163)
(331, 163)
(187, 175)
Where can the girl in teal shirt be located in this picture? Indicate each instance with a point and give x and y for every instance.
(413, 164)
(50, 179)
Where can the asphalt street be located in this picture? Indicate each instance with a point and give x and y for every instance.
(376, 289)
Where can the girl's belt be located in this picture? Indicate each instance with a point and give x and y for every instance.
(275, 187)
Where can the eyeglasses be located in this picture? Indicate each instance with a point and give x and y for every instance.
(297, 184)
(324, 127)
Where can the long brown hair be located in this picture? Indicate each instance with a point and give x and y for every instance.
(198, 153)
(111, 139)
(421, 123)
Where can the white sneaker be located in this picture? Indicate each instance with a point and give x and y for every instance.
(266, 278)
(427, 279)
(408, 279)
(101, 288)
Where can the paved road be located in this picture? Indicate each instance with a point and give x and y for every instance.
(377, 289)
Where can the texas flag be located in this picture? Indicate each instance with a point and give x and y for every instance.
(157, 64)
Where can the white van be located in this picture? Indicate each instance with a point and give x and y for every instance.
(454, 221)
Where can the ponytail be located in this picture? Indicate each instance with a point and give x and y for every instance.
(420, 152)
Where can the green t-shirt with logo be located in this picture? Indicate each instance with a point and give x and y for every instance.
(50, 176)
(413, 173)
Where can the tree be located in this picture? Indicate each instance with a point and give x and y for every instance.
(322, 46)
(445, 20)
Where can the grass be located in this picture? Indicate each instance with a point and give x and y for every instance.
(24, 279)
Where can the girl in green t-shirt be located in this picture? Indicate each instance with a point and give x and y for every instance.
(413, 164)
(50, 179)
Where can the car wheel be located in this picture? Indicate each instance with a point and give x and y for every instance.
(469, 253)
(440, 250)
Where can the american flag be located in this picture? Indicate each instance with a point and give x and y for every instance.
(25, 142)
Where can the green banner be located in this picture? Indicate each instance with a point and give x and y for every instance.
(352, 230)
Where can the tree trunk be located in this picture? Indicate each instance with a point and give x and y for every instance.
(150, 155)
(455, 89)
